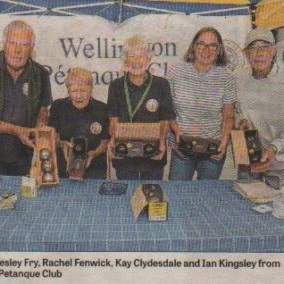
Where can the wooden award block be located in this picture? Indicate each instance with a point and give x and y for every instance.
(77, 158)
(190, 146)
(247, 148)
(137, 140)
(152, 199)
(44, 162)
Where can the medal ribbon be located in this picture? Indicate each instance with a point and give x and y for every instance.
(144, 95)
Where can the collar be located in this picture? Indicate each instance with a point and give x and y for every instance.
(273, 72)
(22, 75)
(198, 73)
(133, 85)
(86, 108)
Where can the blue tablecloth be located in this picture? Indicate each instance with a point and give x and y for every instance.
(204, 216)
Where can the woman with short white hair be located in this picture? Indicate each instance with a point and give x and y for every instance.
(80, 115)
(139, 96)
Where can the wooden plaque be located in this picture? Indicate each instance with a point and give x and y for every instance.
(45, 139)
(137, 140)
(138, 131)
(246, 147)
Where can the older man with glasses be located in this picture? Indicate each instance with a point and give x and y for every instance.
(261, 100)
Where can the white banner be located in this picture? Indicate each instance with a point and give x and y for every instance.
(95, 43)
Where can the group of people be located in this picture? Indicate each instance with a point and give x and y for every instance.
(199, 97)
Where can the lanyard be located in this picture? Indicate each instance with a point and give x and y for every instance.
(144, 95)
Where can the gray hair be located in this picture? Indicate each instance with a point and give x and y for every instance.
(136, 41)
(20, 25)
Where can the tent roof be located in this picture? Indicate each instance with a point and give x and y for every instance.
(119, 10)
(270, 14)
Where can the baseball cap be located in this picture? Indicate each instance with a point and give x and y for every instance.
(259, 34)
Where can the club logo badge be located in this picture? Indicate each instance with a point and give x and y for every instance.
(152, 105)
(26, 88)
(96, 128)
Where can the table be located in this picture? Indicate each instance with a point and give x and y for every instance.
(204, 216)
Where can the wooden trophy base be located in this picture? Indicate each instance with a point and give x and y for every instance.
(247, 148)
(137, 140)
(44, 163)
(190, 146)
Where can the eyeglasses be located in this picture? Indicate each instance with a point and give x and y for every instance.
(19, 44)
(211, 46)
(259, 48)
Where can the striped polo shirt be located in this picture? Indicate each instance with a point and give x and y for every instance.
(198, 98)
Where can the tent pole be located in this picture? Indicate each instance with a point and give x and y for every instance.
(221, 10)
(120, 11)
(17, 3)
(153, 9)
(106, 3)
(252, 9)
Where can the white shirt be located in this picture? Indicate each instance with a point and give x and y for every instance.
(261, 101)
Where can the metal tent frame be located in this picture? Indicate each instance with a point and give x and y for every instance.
(26, 8)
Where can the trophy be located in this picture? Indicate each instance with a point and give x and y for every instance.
(77, 158)
(8, 201)
(193, 146)
(253, 146)
(151, 199)
(44, 163)
(153, 192)
(247, 148)
(137, 140)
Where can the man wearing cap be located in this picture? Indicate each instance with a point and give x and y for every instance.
(261, 100)
(25, 94)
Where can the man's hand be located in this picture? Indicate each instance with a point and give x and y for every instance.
(23, 133)
(42, 117)
(266, 162)
(24, 136)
